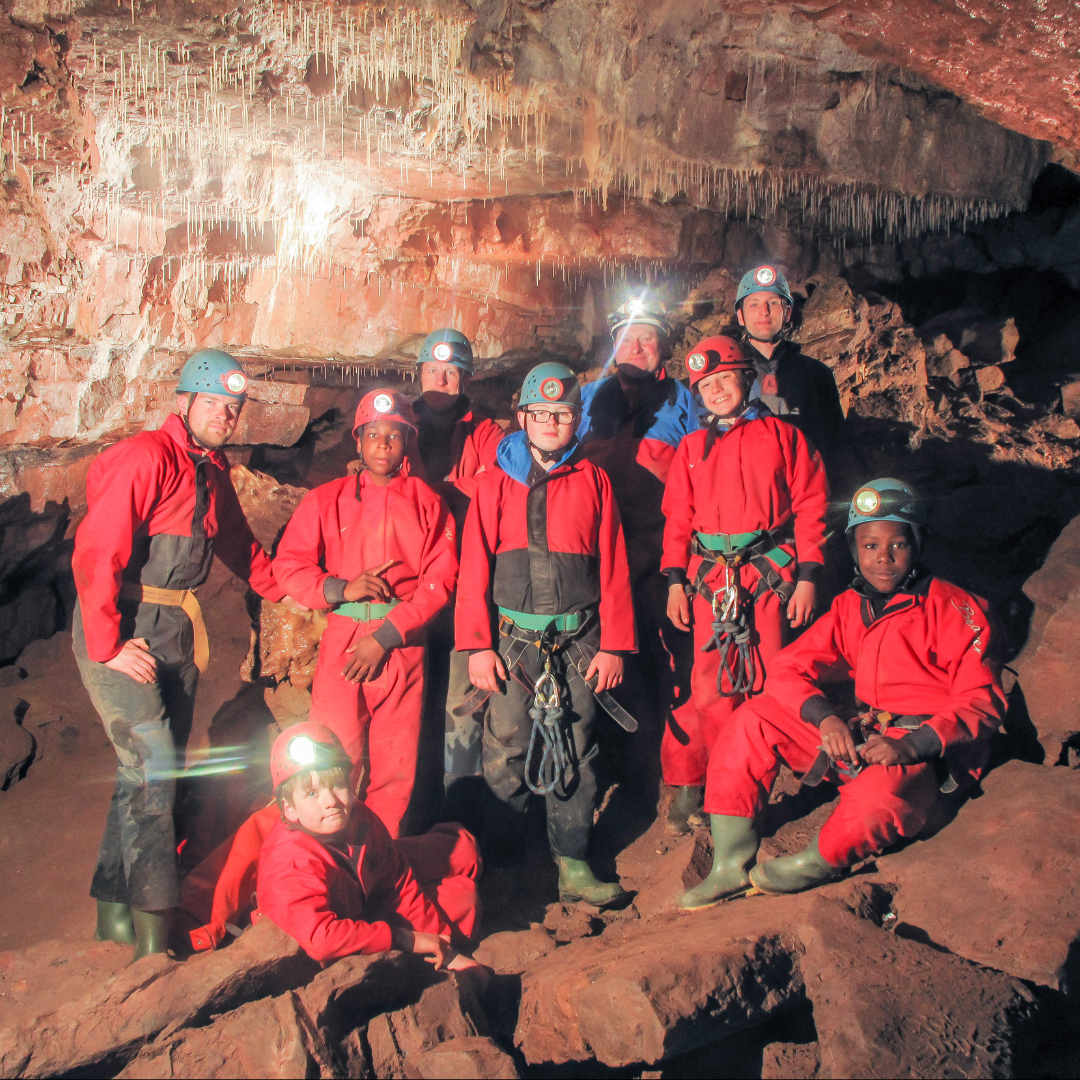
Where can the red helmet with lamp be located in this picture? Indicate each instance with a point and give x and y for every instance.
(713, 354)
(384, 405)
(306, 747)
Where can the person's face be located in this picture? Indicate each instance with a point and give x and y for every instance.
(382, 445)
(553, 433)
(885, 552)
(321, 810)
(763, 314)
(211, 417)
(639, 346)
(724, 393)
(441, 383)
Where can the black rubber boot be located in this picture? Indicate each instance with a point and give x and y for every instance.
(795, 873)
(578, 882)
(735, 845)
(114, 923)
(684, 803)
(151, 932)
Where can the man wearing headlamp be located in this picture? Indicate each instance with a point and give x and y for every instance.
(160, 505)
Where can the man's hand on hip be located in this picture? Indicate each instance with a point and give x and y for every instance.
(135, 661)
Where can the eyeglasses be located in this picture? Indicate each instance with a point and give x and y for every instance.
(542, 416)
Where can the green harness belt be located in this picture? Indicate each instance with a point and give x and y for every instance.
(570, 623)
(733, 543)
(365, 611)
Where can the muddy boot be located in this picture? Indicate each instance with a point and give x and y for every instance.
(151, 932)
(735, 845)
(794, 873)
(114, 923)
(578, 882)
(685, 801)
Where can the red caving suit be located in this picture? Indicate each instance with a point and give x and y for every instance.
(760, 474)
(337, 895)
(929, 652)
(338, 531)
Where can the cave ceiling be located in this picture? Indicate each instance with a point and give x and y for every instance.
(184, 174)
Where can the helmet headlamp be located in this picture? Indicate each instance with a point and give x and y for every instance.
(868, 501)
(303, 750)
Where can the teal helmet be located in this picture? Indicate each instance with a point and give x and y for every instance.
(211, 371)
(763, 279)
(639, 309)
(550, 384)
(887, 499)
(447, 347)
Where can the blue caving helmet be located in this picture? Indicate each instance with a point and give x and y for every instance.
(211, 371)
(763, 279)
(887, 499)
(447, 347)
(550, 384)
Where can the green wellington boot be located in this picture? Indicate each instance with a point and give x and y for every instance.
(684, 803)
(114, 923)
(735, 845)
(151, 932)
(578, 882)
(794, 873)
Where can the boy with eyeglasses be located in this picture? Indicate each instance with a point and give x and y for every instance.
(544, 609)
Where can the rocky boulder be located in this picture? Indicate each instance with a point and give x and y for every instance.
(1049, 673)
(998, 884)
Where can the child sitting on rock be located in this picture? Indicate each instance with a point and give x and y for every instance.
(921, 653)
(332, 878)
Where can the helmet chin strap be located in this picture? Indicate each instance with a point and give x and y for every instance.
(545, 455)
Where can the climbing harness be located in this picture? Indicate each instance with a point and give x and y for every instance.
(549, 735)
(731, 612)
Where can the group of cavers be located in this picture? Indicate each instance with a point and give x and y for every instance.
(639, 551)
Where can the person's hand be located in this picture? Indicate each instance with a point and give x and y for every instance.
(881, 750)
(135, 661)
(838, 741)
(369, 585)
(608, 669)
(678, 607)
(487, 671)
(365, 659)
(432, 948)
(294, 604)
(800, 609)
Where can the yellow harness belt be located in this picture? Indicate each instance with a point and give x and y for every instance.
(181, 598)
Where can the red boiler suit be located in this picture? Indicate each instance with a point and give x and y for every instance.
(338, 895)
(761, 474)
(930, 652)
(338, 531)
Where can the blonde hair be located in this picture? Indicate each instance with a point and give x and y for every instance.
(324, 778)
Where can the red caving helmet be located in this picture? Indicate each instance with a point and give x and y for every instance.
(713, 354)
(305, 747)
(383, 405)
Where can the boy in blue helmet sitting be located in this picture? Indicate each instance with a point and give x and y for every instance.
(921, 654)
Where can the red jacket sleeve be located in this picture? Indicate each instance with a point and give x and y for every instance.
(301, 552)
(473, 613)
(236, 546)
(966, 647)
(293, 892)
(819, 655)
(485, 437)
(121, 487)
(438, 567)
(809, 494)
(656, 456)
(678, 508)
(617, 627)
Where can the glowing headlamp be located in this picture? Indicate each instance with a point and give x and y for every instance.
(235, 382)
(382, 403)
(868, 501)
(635, 306)
(303, 750)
